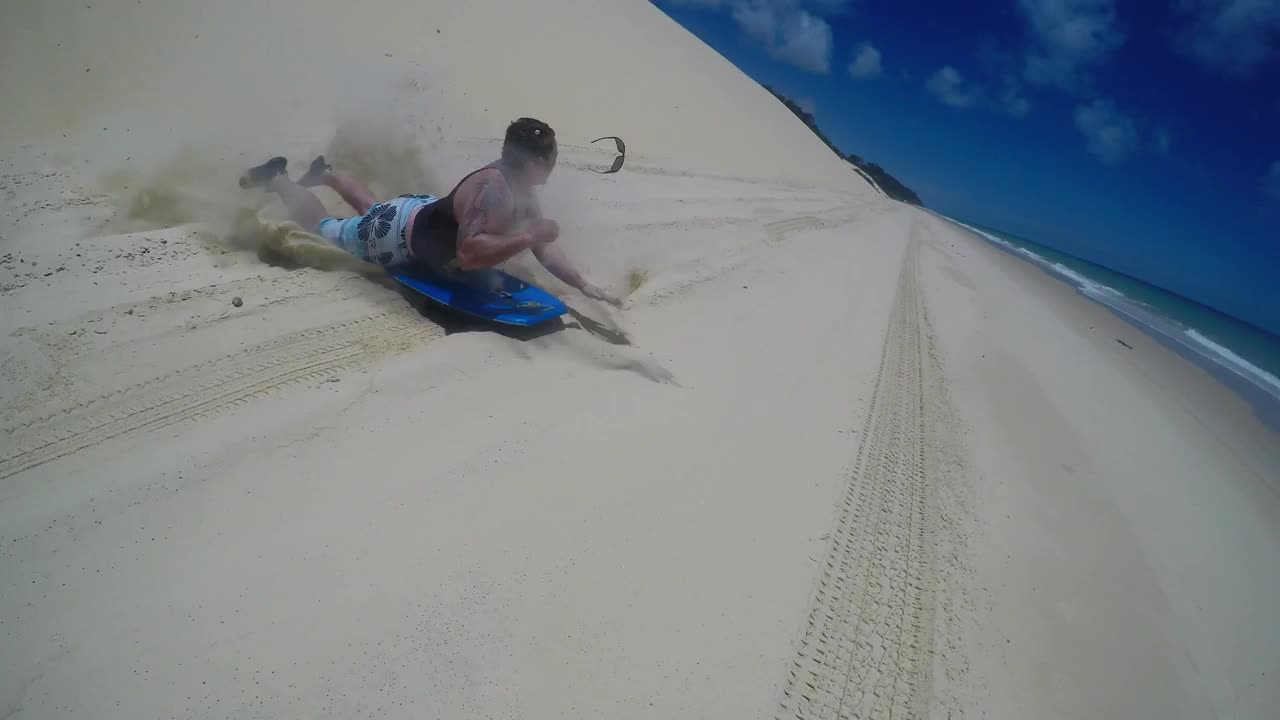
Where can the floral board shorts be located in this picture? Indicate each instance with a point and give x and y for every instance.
(378, 235)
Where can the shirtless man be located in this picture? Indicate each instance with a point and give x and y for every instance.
(490, 216)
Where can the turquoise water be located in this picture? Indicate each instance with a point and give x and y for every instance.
(1243, 357)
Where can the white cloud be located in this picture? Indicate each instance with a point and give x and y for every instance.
(1231, 35)
(1016, 105)
(1161, 140)
(758, 20)
(1271, 182)
(997, 88)
(866, 62)
(949, 86)
(818, 7)
(804, 41)
(1109, 134)
(800, 39)
(1012, 100)
(709, 4)
(1069, 38)
(830, 7)
(791, 31)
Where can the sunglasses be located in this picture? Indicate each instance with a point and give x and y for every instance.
(617, 162)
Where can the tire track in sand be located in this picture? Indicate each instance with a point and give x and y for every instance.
(778, 231)
(209, 388)
(867, 646)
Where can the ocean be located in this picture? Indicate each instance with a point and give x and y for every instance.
(1241, 356)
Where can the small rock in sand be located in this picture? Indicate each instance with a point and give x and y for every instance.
(236, 301)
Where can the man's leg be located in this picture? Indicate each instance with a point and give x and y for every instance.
(303, 206)
(357, 194)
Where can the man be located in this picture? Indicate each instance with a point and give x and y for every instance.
(490, 216)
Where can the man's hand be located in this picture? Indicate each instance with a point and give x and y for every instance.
(544, 230)
(596, 293)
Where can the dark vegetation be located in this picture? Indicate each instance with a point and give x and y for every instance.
(891, 186)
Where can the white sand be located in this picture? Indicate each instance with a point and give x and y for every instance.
(852, 462)
(1126, 539)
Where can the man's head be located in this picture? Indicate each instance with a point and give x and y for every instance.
(530, 149)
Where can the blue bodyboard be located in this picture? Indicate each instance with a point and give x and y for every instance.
(489, 295)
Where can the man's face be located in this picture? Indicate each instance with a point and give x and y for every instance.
(542, 168)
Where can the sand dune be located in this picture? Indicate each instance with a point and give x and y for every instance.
(833, 457)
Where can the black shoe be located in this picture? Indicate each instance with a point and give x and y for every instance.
(315, 174)
(262, 174)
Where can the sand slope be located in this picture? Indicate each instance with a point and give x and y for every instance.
(469, 526)
(832, 459)
(254, 77)
(353, 511)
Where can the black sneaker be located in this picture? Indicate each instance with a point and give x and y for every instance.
(261, 175)
(315, 174)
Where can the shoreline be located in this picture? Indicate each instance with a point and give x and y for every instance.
(1125, 503)
(1255, 385)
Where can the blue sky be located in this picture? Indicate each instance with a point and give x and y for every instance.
(1144, 136)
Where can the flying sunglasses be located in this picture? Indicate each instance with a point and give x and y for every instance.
(617, 162)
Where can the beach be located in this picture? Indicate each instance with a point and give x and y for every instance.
(834, 456)
(1128, 503)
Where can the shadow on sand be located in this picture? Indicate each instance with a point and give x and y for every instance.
(454, 322)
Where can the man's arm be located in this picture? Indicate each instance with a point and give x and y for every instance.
(554, 259)
(482, 237)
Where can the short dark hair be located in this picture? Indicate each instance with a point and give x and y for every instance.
(528, 139)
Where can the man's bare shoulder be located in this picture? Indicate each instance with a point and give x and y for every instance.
(485, 203)
(487, 188)
(489, 178)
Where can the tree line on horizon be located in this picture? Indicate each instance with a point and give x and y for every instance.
(888, 183)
